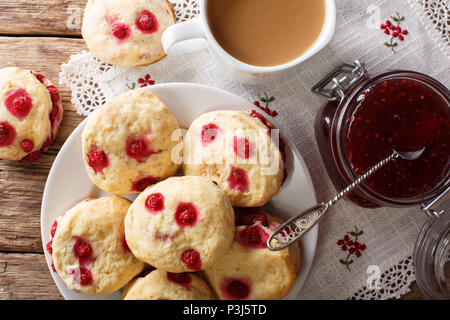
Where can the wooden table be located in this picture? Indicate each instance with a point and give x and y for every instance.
(39, 35)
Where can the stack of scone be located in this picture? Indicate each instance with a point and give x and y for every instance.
(183, 226)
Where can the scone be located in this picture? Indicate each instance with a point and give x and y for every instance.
(180, 224)
(126, 32)
(127, 143)
(249, 270)
(89, 250)
(30, 114)
(162, 285)
(235, 150)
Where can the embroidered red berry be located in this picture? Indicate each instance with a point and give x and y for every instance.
(397, 31)
(353, 247)
(146, 81)
(267, 101)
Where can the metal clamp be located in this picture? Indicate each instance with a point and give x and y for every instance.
(337, 82)
(428, 207)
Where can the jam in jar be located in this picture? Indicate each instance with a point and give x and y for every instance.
(374, 115)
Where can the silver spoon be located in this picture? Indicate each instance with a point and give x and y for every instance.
(293, 229)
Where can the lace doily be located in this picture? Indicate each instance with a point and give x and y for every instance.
(185, 9)
(394, 283)
(434, 16)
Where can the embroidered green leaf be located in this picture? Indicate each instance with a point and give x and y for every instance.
(394, 18)
(342, 261)
(133, 85)
(266, 98)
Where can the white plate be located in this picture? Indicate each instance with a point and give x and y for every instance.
(68, 182)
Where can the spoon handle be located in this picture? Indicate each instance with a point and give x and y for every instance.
(361, 179)
(293, 229)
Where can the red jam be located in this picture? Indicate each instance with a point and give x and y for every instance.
(401, 110)
(399, 114)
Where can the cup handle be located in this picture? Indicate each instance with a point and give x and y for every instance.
(191, 29)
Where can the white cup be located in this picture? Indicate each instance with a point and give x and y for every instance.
(238, 70)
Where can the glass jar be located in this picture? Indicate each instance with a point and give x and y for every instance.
(432, 255)
(368, 116)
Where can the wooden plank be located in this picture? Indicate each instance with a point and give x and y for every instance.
(41, 17)
(26, 276)
(22, 185)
